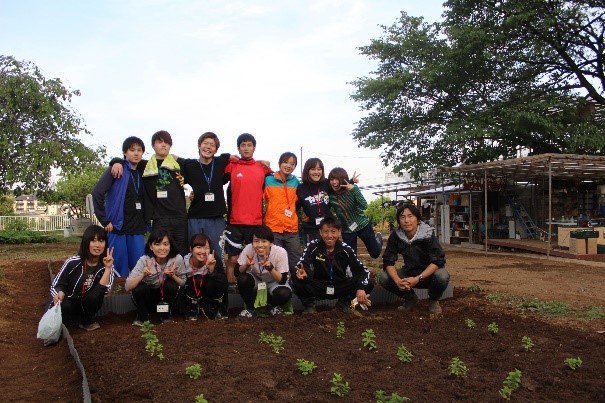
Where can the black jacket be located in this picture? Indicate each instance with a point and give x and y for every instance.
(70, 278)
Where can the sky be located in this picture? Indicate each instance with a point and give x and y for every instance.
(280, 70)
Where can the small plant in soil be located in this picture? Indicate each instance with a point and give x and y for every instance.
(369, 339)
(457, 367)
(305, 367)
(339, 386)
(470, 323)
(593, 313)
(510, 384)
(475, 288)
(194, 371)
(403, 354)
(382, 397)
(527, 343)
(152, 345)
(200, 399)
(340, 330)
(492, 328)
(276, 342)
(573, 363)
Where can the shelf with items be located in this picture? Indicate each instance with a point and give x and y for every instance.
(464, 218)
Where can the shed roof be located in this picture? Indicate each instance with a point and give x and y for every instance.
(570, 166)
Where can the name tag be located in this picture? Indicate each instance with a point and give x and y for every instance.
(209, 197)
(138, 206)
(353, 226)
(162, 307)
(262, 285)
(288, 213)
(329, 290)
(318, 220)
(162, 194)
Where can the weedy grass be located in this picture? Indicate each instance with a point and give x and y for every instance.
(276, 342)
(592, 312)
(546, 308)
(475, 288)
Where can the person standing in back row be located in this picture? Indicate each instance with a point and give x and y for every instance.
(349, 205)
(281, 202)
(244, 199)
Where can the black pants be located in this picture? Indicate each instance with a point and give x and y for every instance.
(146, 297)
(83, 310)
(210, 293)
(309, 290)
(246, 286)
(178, 228)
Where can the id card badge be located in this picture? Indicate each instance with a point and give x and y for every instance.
(318, 220)
(262, 285)
(288, 213)
(162, 307)
(353, 226)
(138, 205)
(329, 290)
(209, 197)
(162, 194)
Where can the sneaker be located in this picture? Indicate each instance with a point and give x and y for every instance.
(344, 307)
(409, 304)
(309, 309)
(90, 326)
(379, 238)
(191, 317)
(246, 314)
(434, 307)
(137, 322)
(220, 316)
(276, 311)
(166, 319)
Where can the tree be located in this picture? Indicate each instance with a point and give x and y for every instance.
(72, 188)
(38, 128)
(6, 204)
(380, 215)
(493, 77)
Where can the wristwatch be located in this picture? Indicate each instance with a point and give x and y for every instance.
(420, 277)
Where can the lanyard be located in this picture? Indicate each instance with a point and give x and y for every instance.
(260, 266)
(286, 191)
(84, 269)
(161, 278)
(208, 179)
(197, 292)
(331, 266)
(137, 185)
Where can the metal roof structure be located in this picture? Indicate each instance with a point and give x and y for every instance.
(570, 166)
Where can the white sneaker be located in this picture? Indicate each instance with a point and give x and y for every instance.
(277, 310)
(246, 314)
(90, 326)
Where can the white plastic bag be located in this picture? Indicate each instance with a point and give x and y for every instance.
(49, 328)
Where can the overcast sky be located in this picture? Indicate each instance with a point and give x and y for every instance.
(277, 69)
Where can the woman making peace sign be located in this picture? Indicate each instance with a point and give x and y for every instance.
(84, 279)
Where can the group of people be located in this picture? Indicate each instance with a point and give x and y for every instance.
(180, 265)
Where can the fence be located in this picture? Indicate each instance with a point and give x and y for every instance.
(40, 223)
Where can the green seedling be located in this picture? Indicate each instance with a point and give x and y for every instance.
(381, 397)
(492, 328)
(276, 342)
(527, 342)
(403, 354)
(470, 323)
(510, 384)
(457, 367)
(573, 363)
(152, 346)
(340, 330)
(200, 399)
(475, 288)
(194, 371)
(305, 367)
(339, 386)
(369, 339)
